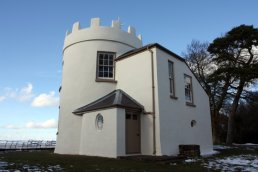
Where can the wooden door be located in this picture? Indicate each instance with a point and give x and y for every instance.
(133, 137)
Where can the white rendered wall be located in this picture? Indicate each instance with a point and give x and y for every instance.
(134, 77)
(146, 135)
(110, 141)
(175, 116)
(79, 73)
(120, 132)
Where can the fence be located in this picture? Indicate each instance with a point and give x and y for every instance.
(26, 145)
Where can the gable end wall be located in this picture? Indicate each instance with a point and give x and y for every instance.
(174, 115)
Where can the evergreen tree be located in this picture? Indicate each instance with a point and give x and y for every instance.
(236, 55)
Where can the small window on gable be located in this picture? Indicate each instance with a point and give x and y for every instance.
(171, 78)
(105, 65)
(193, 123)
(188, 89)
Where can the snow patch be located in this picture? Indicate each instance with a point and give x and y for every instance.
(221, 147)
(245, 144)
(206, 154)
(190, 160)
(234, 163)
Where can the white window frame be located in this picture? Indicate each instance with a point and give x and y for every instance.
(188, 89)
(104, 63)
(171, 77)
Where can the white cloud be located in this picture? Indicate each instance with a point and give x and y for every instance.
(12, 127)
(51, 123)
(22, 94)
(45, 100)
(2, 98)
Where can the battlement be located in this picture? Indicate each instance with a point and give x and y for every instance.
(96, 23)
(97, 32)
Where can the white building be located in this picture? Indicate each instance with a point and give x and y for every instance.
(120, 98)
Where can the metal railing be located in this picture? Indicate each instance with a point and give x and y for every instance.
(26, 145)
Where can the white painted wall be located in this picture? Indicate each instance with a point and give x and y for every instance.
(175, 116)
(120, 130)
(146, 134)
(79, 73)
(134, 77)
(110, 141)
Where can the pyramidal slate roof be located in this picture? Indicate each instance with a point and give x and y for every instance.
(116, 98)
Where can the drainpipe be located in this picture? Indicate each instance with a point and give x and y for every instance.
(153, 101)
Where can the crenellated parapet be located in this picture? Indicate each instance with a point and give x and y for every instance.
(97, 32)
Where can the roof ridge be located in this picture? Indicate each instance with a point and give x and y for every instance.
(117, 99)
(146, 47)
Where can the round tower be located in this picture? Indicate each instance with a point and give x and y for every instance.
(88, 74)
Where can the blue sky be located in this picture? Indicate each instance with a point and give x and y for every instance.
(32, 34)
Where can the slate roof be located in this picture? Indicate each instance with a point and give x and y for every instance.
(116, 98)
(146, 47)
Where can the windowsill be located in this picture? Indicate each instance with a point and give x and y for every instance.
(190, 104)
(173, 97)
(105, 80)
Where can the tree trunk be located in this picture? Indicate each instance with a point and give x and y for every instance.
(230, 133)
(215, 124)
(215, 113)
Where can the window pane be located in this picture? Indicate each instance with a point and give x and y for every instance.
(100, 56)
(100, 74)
(110, 62)
(170, 68)
(171, 86)
(106, 74)
(128, 116)
(105, 62)
(101, 62)
(106, 56)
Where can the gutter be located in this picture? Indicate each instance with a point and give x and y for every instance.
(153, 101)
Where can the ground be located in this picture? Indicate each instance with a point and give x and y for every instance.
(234, 158)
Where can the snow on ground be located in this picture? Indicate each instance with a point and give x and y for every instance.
(3, 164)
(206, 154)
(191, 160)
(221, 147)
(248, 163)
(246, 144)
(29, 168)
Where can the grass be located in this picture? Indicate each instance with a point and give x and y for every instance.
(47, 161)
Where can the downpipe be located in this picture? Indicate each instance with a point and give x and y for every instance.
(153, 101)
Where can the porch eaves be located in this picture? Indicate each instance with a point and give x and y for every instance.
(116, 98)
